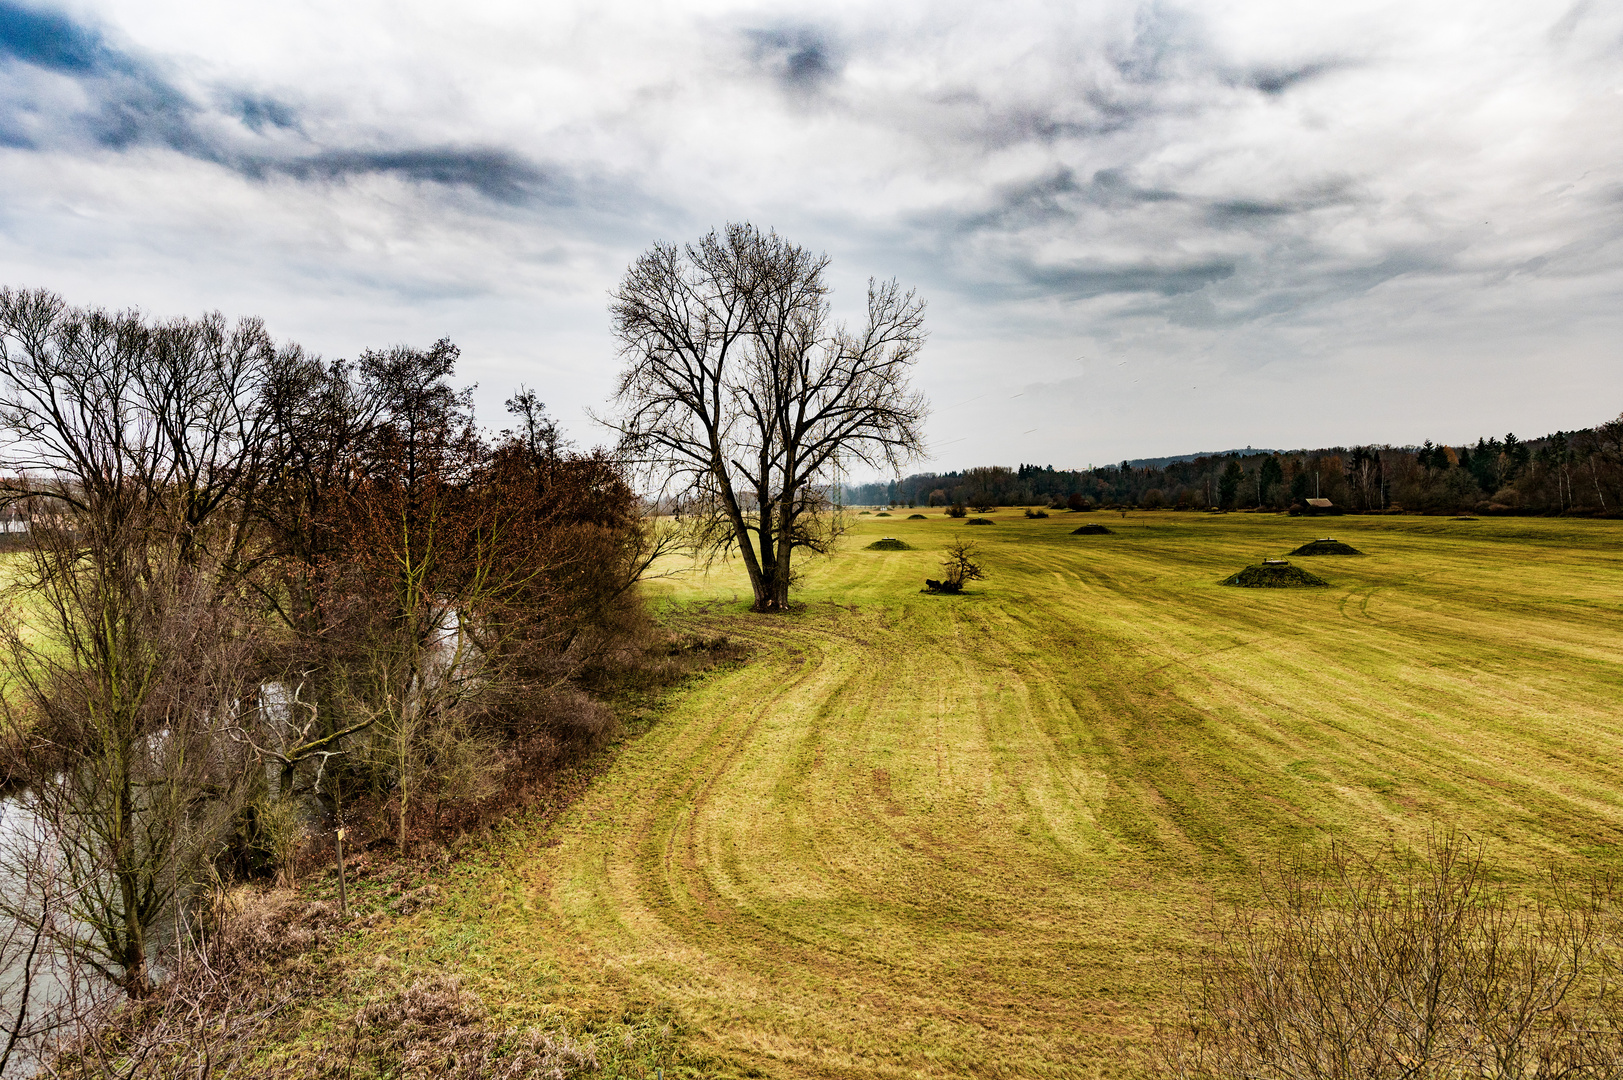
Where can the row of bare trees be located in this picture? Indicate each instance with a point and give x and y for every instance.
(258, 585)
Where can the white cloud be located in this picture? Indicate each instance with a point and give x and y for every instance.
(1379, 221)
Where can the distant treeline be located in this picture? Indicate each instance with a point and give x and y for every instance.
(1567, 472)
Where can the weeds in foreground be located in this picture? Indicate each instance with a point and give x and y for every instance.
(1417, 966)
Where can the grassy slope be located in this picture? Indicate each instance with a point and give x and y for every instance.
(924, 835)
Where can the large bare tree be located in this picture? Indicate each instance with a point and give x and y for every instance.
(123, 657)
(742, 396)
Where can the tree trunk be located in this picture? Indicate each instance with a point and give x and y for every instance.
(786, 547)
(401, 843)
(766, 586)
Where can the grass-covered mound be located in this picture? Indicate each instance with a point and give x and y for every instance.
(1326, 546)
(915, 517)
(980, 521)
(889, 543)
(1275, 574)
(1092, 529)
(882, 513)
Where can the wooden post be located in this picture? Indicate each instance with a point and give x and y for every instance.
(343, 895)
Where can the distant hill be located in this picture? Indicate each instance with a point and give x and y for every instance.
(1163, 462)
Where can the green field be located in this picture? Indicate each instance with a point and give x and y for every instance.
(940, 836)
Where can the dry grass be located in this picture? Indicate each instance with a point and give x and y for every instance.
(923, 839)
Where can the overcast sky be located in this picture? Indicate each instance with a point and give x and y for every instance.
(1141, 228)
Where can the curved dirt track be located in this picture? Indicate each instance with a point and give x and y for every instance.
(931, 836)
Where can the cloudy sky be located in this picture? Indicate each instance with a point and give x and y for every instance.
(1141, 228)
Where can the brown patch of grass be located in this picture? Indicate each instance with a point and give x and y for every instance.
(435, 1028)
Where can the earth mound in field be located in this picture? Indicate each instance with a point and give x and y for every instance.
(1275, 574)
(980, 521)
(889, 543)
(1092, 529)
(882, 513)
(915, 517)
(1326, 546)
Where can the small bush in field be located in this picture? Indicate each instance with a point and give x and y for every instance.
(962, 565)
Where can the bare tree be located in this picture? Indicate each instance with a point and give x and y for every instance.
(129, 448)
(318, 420)
(536, 431)
(742, 396)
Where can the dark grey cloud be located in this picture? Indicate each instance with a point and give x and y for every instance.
(133, 105)
(1274, 81)
(1060, 196)
(1042, 199)
(259, 113)
(1107, 86)
(1091, 113)
(1113, 187)
(1247, 210)
(496, 174)
(1291, 279)
(52, 41)
(1249, 213)
(1260, 255)
(143, 110)
(1085, 280)
(803, 59)
(1057, 195)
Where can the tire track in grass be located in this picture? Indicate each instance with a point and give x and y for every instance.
(927, 836)
(898, 984)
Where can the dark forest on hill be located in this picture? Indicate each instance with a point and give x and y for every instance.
(1577, 472)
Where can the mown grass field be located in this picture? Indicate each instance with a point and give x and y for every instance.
(921, 836)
